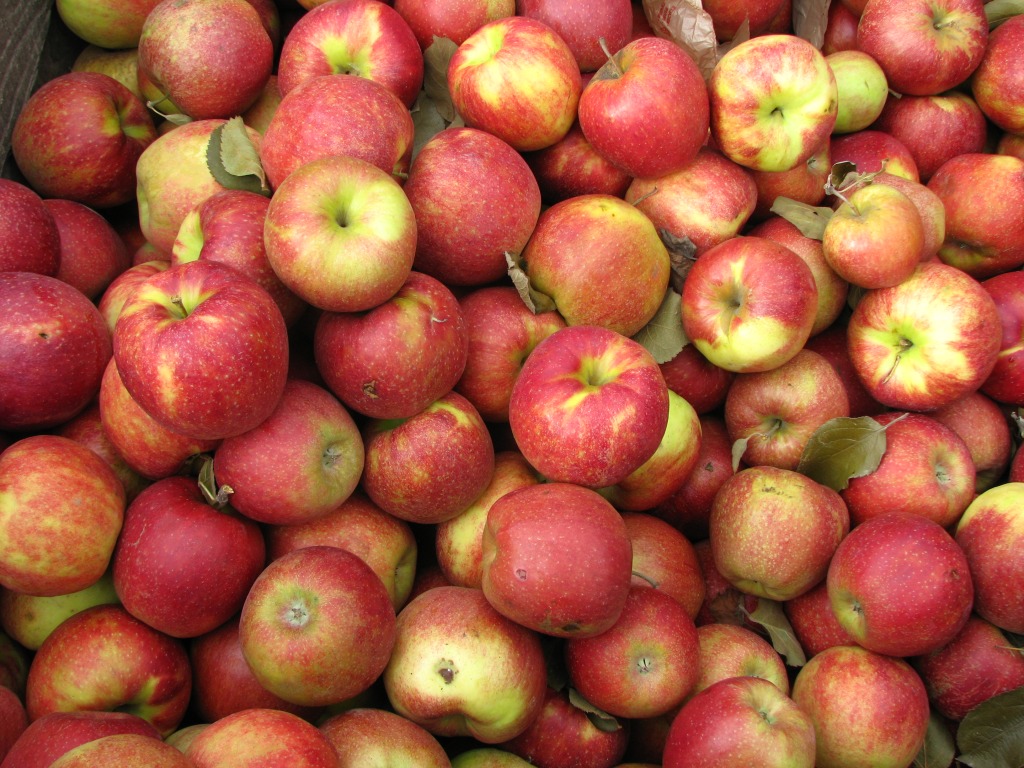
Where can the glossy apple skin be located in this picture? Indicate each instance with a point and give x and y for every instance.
(92, 253)
(61, 510)
(119, 663)
(866, 708)
(996, 83)
(572, 401)
(571, 166)
(583, 26)
(557, 558)
(108, 24)
(900, 585)
(870, 148)
(665, 558)
(55, 346)
(455, 20)
(122, 286)
(697, 380)
(29, 238)
(729, 650)
(647, 111)
(367, 736)
(988, 533)
(814, 623)
(366, 38)
(740, 721)
(982, 425)
(929, 208)
(488, 76)
(1006, 382)
(924, 343)
(63, 144)
(124, 749)
(276, 739)
(87, 428)
(924, 48)
(862, 89)
(52, 735)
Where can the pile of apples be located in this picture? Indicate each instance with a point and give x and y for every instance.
(485, 383)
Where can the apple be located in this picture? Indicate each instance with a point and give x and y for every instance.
(926, 342)
(14, 721)
(982, 425)
(228, 227)
(62, 512)
(488, 757)
(372, 737)
(929, 208)
(926, 470)
(49, 737)
(173, 178)
(356, 352)
(378, 127)
(996, 82)
(729, 650)
(583, 28)
(696, 379)
(29, 238)
(562, 734)
(988, 533)
(778, 411)
(105, 659)
(709, 200)
(665, 559)
(749, 304)
(1005, 384)
(458, 542)
(918, 610)
(460, 668)
(981, 194)
(475, 198)
(79, 137)
(200, 583)
(571, 166)
(299, 464)
(261, 111)
(112, 300)
(147, 447)
(976, 665)
(14, 663)
(867, 709)
(773, 102)
(832, 289)
(274, 738)
(365, 38)
(502, 333)
(385, 543)
(183, 737)
(601, 261)
(804, 182)
(517, 78)
(30, 619)
(55, 346)
(589, 406)
(106, 23)
(341, 234)
(923, 48)
(646, 109)
(774, 531)
(874, 150)
(557, 558)
(92, 254)
(87, 428)
(814, 623)
(452, 20)
(935, 128)
(645, 664)
(832, 344)
(203, 350)
(210, 58)
(223, 683)
(875, 239)
(123, 749)
(840, 28)
(741, 721)
(431, 466)
(862, 89)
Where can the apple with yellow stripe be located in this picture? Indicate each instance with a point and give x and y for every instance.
(773, 102)
(926, 342)
(516, 77)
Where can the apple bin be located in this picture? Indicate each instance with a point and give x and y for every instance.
(511, 382)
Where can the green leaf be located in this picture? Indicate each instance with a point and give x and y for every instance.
(436, 58)
(938, 749)
(215, 497)
(770, 615)
(601, 719)
(664, 336)
(535, 300)
(233, 159)
(992, 734)
(426, 120)
(842, 449)
(998, 11)
(809, 219)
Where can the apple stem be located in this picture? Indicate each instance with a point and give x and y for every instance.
(646, 578)
(905, 344)
(611, 59)
(644, 196)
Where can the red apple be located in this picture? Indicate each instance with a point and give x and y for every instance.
(900, 585)
(840, 28)
(729, 650)
(87, 428)
(123, 749)
(55, 347)
(873, 150)
(832, 345)
(105, 659)
(996, 83)
(1005, 384)
(475, 199)
(571, 166)
(583, 27)
(588, 407)
(454, 20)
(929, 208)
(665, 559)
(14, 721)
(814, 623)
(274, 738)
(646, 109)
(92, 254)
(804, 182)
(121, 287)
(29, 238)
(368, 737)
(981, 423)
(365, 38)
(50, 736)
(106, 23)
(696, 379)
(317, 627)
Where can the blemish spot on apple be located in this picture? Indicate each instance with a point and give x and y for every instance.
(446, 669)
(521, 574)
(572, 626)
(370, 389)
